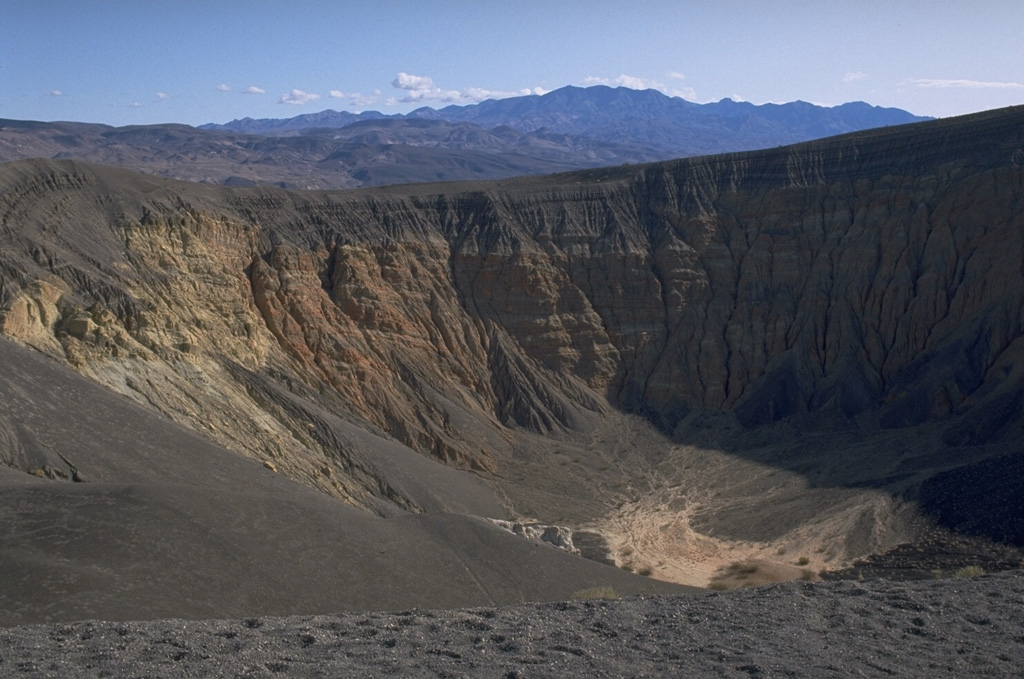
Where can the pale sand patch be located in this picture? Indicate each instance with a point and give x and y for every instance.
(654, 535)
(645, 537)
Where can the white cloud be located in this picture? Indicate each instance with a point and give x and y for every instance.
(477, 94)
(357, 99)
(56, 93)
(635, 83)
(298, 97)
(421, 88)
(973, 84)
(135, 104)
(480, 94)
(676, 75)
(407, 81)
(223, 88)
(363, 100)
(252, 89)
(853, 76)
(163, 96)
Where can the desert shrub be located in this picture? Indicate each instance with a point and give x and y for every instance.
(646, 570)
(603, 592)
(936, 573)
(808, 575)
(803, 561)
(969, 572)
(718, 586)
(740, 568)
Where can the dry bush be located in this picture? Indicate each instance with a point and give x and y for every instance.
(603, 592)
(741, 569)
(969, 572)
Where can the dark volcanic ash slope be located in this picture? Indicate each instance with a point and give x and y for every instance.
(943, 629)
(135, 517)
(845, 312)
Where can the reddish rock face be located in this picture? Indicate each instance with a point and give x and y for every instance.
(876, 276)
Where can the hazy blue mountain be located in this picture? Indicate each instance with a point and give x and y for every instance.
(643, 119)
(567, 129)
(370, 152)
(285, 126)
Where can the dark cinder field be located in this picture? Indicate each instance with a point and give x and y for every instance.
(877, 628)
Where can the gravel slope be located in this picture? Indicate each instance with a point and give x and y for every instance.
(944, 628)
(166, 524)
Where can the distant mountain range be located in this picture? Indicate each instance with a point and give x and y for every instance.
(642, 119)
(569, 128)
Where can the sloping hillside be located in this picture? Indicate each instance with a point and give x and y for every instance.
(759, 356)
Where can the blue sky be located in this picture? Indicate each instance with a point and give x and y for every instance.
(154, 61)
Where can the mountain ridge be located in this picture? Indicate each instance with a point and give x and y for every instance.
(563, 130)
(561, 108)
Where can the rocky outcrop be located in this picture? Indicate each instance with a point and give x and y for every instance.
(874, 278)
(556, 536)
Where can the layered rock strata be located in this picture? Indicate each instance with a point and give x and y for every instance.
(873, 279)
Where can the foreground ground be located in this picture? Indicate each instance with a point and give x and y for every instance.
(942, 628)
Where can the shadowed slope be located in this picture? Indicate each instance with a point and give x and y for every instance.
(164, 523)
